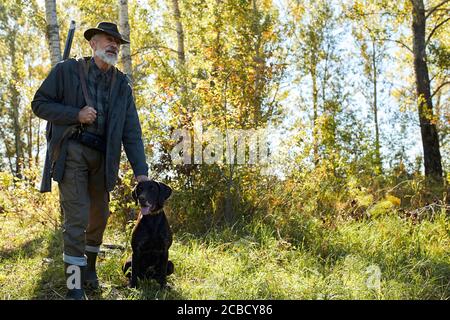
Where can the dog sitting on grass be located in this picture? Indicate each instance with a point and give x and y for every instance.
(151, 237)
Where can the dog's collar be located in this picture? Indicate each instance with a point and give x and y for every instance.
(150, 213)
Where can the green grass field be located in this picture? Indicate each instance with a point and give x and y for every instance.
(384, 258)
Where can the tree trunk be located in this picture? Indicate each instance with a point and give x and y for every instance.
(430, 139)
(14, 109)
(315, 96)
(228, 212)
(180, 33)
(9, 152)
(38, 143)
(181, 56)
(185, 118)
(259, 68)
(30, 138)
(124, 26)
(52, 31)
(375, 109)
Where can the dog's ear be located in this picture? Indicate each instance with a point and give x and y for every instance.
(164, 192)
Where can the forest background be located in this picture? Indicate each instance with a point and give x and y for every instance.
(352, 95)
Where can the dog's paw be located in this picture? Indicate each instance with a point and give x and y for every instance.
(165, 286)
(126, 268)
(132, 284)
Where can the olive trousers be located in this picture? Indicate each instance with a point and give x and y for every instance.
(84, 201)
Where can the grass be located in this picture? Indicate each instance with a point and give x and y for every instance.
(383, 258)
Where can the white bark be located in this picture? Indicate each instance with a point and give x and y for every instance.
(180, 33)
(124, 28)
(180, 48)
(52, 31)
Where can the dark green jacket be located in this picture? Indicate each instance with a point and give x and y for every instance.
(60, 98)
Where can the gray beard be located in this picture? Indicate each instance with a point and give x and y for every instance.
(106, 58)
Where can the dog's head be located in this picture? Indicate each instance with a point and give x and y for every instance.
(151, 195)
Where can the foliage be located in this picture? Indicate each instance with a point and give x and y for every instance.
(345, 190)
(286, 255)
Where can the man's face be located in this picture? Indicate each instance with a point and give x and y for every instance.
(106, 47)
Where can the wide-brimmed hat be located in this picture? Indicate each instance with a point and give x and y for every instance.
(105, 27)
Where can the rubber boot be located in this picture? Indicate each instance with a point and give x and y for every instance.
(74, 281)
(91, 279)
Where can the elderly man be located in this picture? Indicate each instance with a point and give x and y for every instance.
(90, 110)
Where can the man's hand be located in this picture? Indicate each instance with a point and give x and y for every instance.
(142, 178)
(87, 115)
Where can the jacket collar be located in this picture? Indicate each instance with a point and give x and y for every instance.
(96, 70)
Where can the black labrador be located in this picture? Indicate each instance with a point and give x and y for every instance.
(151, 237)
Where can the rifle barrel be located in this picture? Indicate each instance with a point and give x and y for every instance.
(69, 40)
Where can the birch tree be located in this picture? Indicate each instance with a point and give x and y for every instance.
(52, 31)
(124, 28)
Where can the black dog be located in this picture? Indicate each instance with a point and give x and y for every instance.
(151, 237)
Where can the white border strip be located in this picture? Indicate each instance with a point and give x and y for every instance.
(78, 261)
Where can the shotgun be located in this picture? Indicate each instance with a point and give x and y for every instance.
(46, 183)
(69, 40)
